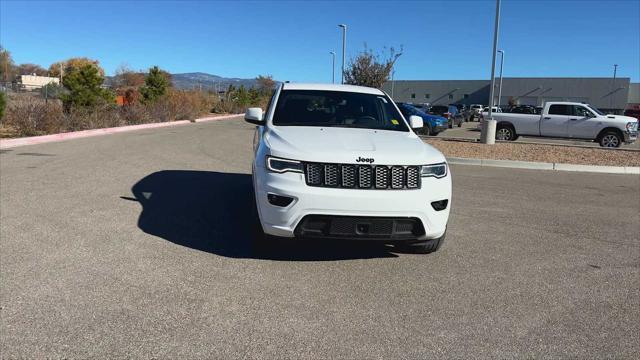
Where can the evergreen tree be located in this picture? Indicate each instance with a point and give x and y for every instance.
(84, 88)
(155, 85)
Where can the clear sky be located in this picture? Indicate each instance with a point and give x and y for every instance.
(291, 39)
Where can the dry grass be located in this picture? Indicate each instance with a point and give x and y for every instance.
(29, 115)
(537, 153)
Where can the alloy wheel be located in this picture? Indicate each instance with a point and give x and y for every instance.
(503, 134)
(610, 141)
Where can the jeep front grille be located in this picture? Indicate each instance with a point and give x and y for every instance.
(379, 177)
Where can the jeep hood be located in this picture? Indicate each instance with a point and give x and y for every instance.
(345, 145)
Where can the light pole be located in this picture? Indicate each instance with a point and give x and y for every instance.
(500, 86)
(333, 66)
(393, 73)
(488, 135)
(393, 83)
(344, 47)
(613, 86)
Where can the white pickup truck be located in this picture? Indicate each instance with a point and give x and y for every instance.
(568, 120)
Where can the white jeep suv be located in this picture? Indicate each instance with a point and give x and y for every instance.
(341, 162)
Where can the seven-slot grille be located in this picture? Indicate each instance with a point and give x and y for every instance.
(379, 177)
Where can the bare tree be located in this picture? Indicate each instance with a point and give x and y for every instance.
(126, 77)
(30, 69)
(370, 69)
(265, 83)
(7, 66)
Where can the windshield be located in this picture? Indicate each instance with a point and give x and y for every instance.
(408, 110)
(337, 109)
(595, 109)
(439, 110)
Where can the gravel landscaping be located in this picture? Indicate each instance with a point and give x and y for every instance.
(537, 153)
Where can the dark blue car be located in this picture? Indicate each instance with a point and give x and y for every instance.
(433, 124)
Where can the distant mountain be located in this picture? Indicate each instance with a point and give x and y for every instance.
(208, 81)
(199, 80)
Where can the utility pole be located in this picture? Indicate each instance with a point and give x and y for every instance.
(333, 66)
(488, 135)
(500, 86)
(344, 47)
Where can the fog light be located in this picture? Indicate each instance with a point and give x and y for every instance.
(278, 200)
(440, 205)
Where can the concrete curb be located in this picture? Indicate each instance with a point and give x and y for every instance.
(11, 143)
(545, 166)
(521, 142)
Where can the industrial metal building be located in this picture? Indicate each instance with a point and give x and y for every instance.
(603, 93)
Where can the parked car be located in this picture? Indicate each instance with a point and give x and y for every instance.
(433, 124)
(475, 110)
(494, 109)
(424, 106)
(341, 162)
(569, 120)
(464, 111)
(449, 112)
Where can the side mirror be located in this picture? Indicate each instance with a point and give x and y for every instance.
(254, 116)
(415, 122)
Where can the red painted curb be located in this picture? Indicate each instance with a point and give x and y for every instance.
(11, 143)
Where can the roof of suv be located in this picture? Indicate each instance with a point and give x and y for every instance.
(332, 87)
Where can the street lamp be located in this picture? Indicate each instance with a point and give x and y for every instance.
(344, 47)
(500, 86)
(613, 85)
(333, 66)
(393, 73)
(488, 135)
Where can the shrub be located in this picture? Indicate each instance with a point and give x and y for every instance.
(101, 115)
(3, 104)
(30, 116)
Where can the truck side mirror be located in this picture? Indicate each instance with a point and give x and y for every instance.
(415, 122)
(254, 116)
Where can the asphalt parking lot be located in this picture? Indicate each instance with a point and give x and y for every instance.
(139, 245)
(469, 130)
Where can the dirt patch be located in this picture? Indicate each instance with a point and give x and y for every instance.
(537, 153)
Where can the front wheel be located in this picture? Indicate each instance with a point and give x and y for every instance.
(425, 130)
(610, 139)
(505, 133)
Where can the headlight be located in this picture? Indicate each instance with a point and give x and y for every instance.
(632, 126)
(435, 170)
(283, 165)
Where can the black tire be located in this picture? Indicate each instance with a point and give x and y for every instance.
(505, 132)
(423, 247)
(425, 130)
(610, 139)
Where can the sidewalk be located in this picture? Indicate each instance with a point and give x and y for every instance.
(11, 143)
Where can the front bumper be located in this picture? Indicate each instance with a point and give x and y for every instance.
(630, 137)
(440, 127)
(372, 204)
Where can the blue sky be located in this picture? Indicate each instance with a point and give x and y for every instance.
(291, 39)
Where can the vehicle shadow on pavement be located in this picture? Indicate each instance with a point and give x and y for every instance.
(215, 212)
